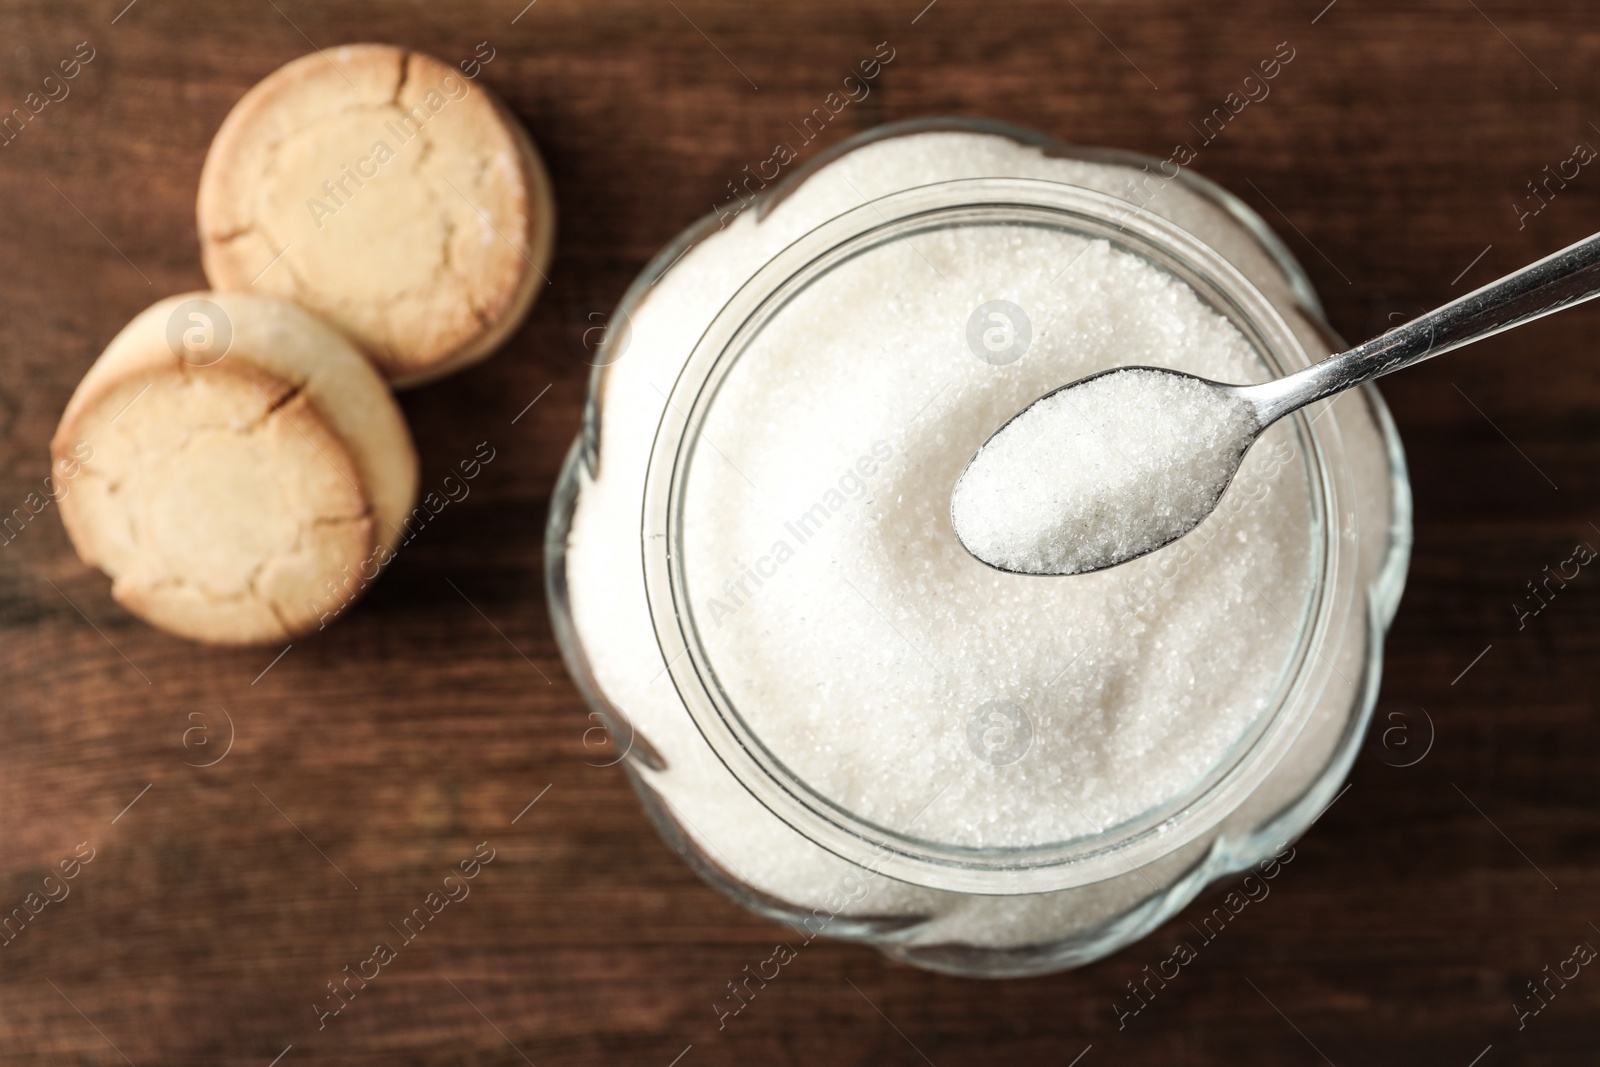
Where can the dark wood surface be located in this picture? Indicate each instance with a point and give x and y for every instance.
(374, 756)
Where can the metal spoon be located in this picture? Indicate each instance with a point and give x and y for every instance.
(1568, 277)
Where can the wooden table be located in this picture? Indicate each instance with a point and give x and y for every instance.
(1392, 154)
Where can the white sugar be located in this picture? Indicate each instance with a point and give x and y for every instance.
(877, 659)
(870, 652)
(1095, 474)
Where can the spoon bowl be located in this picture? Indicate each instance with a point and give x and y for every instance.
(1153, 449)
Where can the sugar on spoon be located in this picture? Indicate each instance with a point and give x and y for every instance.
(1121, 463)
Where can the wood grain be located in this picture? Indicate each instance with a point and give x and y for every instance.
(371, 758)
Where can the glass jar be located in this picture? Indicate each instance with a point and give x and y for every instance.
(775, 751)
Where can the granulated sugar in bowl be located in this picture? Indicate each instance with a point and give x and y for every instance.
(831, 710)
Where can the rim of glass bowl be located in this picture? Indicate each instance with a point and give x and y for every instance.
(1111, 851)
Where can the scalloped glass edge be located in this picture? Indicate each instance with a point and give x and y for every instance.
(1229, 853)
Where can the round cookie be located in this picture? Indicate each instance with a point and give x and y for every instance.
(389, 193)
(241, 471)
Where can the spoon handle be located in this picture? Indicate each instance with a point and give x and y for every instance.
(1560, 280)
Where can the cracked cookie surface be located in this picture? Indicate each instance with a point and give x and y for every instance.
(390, 194)
(242, 501)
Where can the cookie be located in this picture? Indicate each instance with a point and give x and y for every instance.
(239, 469)
(389, 193)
